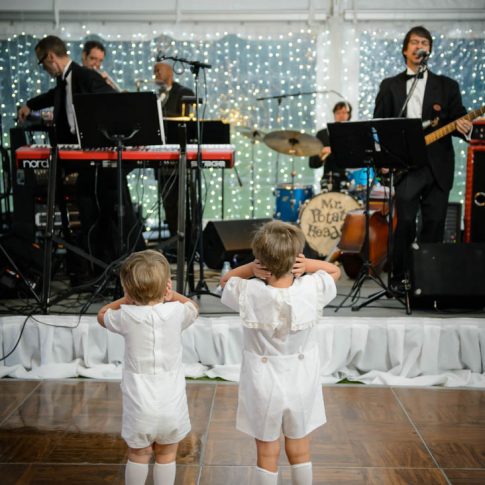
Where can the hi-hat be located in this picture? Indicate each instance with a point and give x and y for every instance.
(292, 142)
(251, 133)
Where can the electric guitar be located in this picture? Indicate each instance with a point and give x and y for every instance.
(450, 127)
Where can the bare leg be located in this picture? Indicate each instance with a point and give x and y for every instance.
(165, 453)
(136, 470)
(268, 454)
(297, 451)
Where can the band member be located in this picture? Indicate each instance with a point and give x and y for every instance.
(427, 187)
(334, 176)
(92, 56)
(170, 91)
(170, 95)
(96, 196)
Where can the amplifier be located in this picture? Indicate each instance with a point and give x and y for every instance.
(448, 275)
(478, 133)
(475, 194)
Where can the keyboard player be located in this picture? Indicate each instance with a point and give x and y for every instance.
(96, 193)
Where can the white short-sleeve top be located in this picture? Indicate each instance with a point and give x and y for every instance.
(153, 341)
(279, 320)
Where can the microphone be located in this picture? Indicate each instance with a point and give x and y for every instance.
(422, 54)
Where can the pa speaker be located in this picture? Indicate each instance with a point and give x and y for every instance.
(225, 240)
(475, 194)
(448, 275)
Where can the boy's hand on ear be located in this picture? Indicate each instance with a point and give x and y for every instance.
(260, 271)
(169, 292)
(299, 268)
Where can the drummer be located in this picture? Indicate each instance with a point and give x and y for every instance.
(334, 178)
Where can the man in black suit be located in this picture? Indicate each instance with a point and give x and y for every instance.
(426, 188)
(96, 193)
(334, 177)
(170, 96)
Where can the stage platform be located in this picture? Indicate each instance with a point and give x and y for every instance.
(379, 344)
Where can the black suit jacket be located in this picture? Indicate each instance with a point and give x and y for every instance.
(84, 81)
(440, 91)
(173, 106)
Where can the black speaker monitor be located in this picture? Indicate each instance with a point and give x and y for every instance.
(449, 275)
(224, 240)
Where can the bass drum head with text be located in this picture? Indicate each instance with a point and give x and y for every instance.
(322, 217)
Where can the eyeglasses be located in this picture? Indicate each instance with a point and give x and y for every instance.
(42, 59)
(423, 42)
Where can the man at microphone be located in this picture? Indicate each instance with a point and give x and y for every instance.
(424, 188)
(170, 91)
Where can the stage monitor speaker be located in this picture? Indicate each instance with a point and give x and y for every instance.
(475, 195)
(226, 240)
(448, 275)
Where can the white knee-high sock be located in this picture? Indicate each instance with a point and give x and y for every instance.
(264, 477)
(135, 473)
(164, 473)
(301, 474)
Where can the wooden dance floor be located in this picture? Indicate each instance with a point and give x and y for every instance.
(69, 432)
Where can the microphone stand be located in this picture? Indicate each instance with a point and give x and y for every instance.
(201, 288)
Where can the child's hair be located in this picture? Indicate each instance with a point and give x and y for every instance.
(144, 276)
(277, 244)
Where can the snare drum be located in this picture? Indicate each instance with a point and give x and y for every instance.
(322, 217)
(290, 199)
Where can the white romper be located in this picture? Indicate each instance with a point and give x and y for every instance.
(279, 387)
(153, 382)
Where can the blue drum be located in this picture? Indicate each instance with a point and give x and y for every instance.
(290, 200)
(358, 178)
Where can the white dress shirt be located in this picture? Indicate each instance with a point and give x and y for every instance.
(415, 104)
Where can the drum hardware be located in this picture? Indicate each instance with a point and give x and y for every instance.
(254, 136)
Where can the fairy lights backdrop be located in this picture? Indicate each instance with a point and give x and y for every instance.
(245, 68)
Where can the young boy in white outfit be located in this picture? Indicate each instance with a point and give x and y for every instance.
(151, 317)
(279, 387)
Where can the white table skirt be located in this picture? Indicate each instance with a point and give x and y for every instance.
(391, 351)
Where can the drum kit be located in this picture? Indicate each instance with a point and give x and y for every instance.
(320, 216)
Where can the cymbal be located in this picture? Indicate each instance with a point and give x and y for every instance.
(251, 133)
(292, 142)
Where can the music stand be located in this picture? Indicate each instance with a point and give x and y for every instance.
(395, 143)
(118, 120)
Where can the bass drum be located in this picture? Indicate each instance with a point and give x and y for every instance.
(322, 217)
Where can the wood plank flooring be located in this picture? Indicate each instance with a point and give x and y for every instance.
(69, 432)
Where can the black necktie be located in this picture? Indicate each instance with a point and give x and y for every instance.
(412, 76)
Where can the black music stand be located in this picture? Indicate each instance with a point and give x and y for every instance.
(118, 120)
(395, 143)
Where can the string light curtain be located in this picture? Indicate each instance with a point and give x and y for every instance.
(348, 57)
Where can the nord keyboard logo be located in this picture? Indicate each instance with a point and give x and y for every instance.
(35, 163)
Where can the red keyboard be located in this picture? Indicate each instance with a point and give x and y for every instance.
(213, 156)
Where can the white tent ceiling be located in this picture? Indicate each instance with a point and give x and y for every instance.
(60, 11)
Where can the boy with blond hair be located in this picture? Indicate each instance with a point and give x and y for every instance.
(151, 317)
